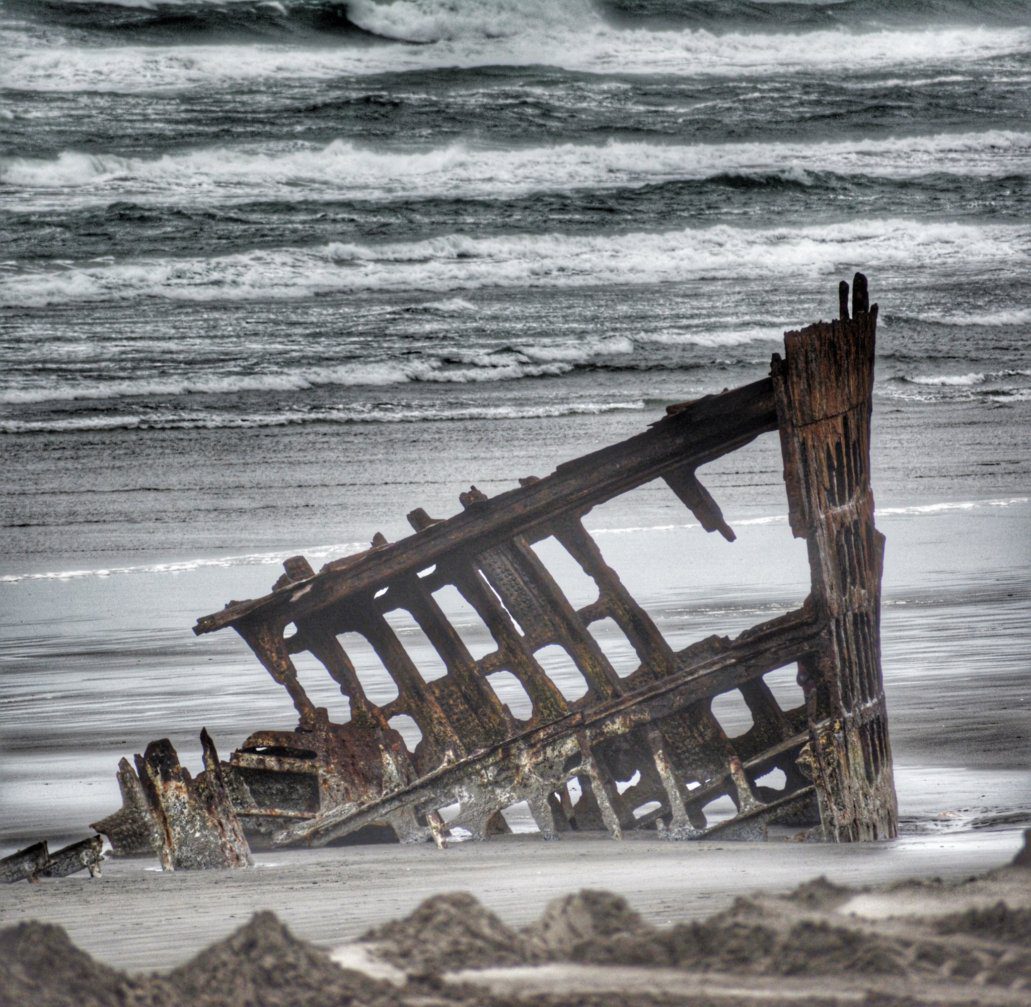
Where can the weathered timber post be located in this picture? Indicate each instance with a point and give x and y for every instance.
(823, 389)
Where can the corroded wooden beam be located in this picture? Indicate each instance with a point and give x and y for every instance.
(823, 388)
(701, 432)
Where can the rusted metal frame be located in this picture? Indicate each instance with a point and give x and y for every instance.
(194, 817)
(36, 861)
(480, 700)
(534, 599)
(667, 765)
(698, 500)
(765, 648)
(701, 432)
(616, 602)
(312, 636)
(759, 765)
(86, 854)
(132, 829)
(770, 723)
(823, 394)
(326, 648)
(532, 596)
(513, 654)
(24, 865)
(415, 697)
(266, 639)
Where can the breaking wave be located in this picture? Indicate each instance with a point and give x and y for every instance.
(456, 262)
(427, 21)
(345, 170)
(451, 366)
(969, 380)
(343, 415)
(991, 319)
(569, 35)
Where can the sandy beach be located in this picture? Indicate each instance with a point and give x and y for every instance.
(277, 274)
(134, 917)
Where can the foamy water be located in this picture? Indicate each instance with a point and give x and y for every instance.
(458, 262)
(556, 38)
(345, 169)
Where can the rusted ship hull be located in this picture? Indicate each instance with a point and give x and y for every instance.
(655, 726)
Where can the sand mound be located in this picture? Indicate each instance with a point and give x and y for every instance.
(40, 965)
(448, 933)
(584, 918)
(970, 943)
(999, 923)
(263, 965)
(799, 936)
(260, 965)
(820, 894)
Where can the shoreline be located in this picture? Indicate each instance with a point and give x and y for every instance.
(332, 895)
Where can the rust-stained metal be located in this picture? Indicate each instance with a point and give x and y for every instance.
(36, 861)
(325, 781)
(190, 823)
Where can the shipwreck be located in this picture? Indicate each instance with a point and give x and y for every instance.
(326, 781)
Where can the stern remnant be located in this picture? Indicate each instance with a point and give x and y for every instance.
(655, 726)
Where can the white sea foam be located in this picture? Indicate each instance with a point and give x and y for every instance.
(343, 169)
(971, 379)
(194, 420)
(715, 337)
(964, 380)
(991, 318)
(352, 374)
(452, 263)
(448, 365)
(943, 507)
(479, 33)
(450, 306)
(578, 353)
(952, 505)
(190, 565)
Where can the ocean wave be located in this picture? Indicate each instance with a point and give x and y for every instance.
(788, 15)
(190, 565)
(949, 506)
(354, 374)
(445, 365)
(452, 263)
(176, 20)
(969, 380)
(449, 306)
(500, 33)
(948, 379)
(173, 420)
(1006, 396)
(941, 507)
(346, 170)
(715, 337)
(443, 21)
(991, 318)
(427, 21)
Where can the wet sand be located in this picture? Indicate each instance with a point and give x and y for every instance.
(137, 918)
(96, 666)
